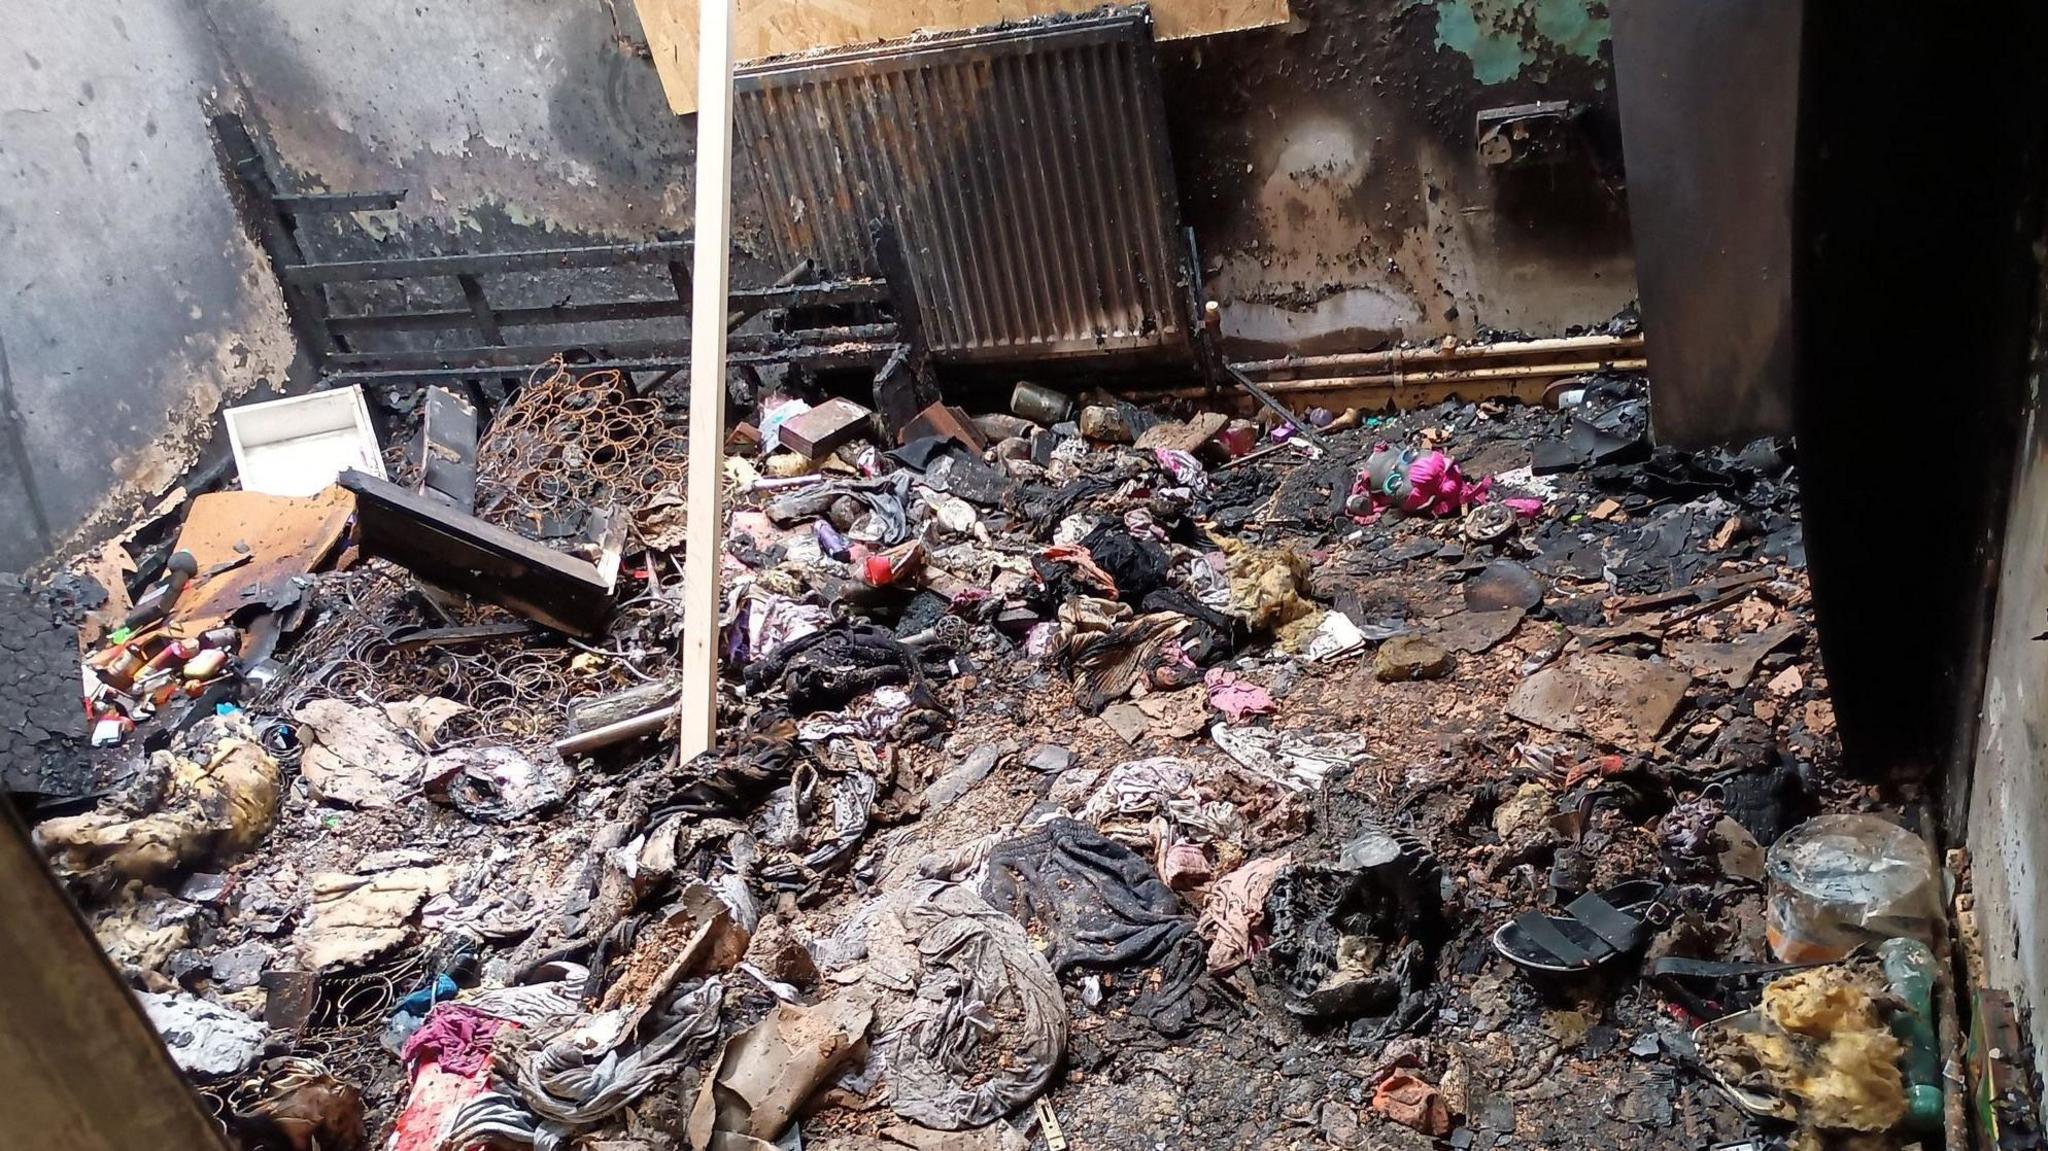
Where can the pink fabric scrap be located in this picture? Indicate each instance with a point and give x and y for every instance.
(1438, 488)
(1184, 865)
(1435, 487)
(456, 1037)
(1233, 918)
(1237, 698)
(1184, 468)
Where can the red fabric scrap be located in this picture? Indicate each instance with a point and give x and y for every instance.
(457, 1037)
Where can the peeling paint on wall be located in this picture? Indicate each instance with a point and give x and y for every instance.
(1503, 37)
(1571, 26)
(1496, 52)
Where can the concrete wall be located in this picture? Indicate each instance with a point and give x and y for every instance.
(535, 115)
(130, 301)
(2008, 794)
(1329, 170)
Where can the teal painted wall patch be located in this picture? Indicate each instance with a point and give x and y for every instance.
(1503, 37)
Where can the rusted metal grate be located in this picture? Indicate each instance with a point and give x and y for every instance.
(1026, 171)
(490, 340)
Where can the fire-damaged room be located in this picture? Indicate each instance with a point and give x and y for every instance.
(716, 575)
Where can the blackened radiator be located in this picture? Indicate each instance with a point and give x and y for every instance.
(1026, 171)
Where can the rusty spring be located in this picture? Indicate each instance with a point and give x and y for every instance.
(570, 445)
(565, 446)
(341, 1037)
(518, 691)
(352, 1013)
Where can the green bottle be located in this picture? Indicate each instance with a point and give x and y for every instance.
(1909, 969)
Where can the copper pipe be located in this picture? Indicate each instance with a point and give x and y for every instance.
(1397, 358)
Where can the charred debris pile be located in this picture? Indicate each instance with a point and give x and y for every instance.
(1104, 778)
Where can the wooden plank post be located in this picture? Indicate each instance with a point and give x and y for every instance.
(698, 707)
(88, 1067)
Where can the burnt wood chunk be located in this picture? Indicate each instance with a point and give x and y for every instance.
(461, 552)
(448, 450)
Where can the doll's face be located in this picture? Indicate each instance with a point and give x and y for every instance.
(1386, 471)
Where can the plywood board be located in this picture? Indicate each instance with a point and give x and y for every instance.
(283, 538)
(766, 28)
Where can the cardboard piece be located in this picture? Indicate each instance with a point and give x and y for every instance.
(270, 540)
(765, 28)
(765, 1074)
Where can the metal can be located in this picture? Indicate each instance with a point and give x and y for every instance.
(1040, 403)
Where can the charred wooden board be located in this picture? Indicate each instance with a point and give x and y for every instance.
(448, 450)
(463, 553)
(414, 638)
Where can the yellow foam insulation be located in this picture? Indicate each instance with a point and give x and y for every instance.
(1266, 586)
(1823, 1043)
(212, 813)
(1853, 1083)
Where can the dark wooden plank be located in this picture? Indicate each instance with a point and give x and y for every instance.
(306, 203)
(451, 319)
(413, 639)
(492, 357)
(492, 263)
(904, 385)
(448, 437)
(1703, 590)
(864, 291)
(480, 310)
(748, 300)
(458, 551)
(305, 305)
(739, 311)
(817, 358)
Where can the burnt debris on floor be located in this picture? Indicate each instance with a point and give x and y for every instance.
(1136, 778)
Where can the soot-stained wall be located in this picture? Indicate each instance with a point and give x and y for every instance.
(541, 115)
(1330, 171)
(131, 303)
(1327, 167)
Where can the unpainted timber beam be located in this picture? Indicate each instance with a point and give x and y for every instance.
(697, 708)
